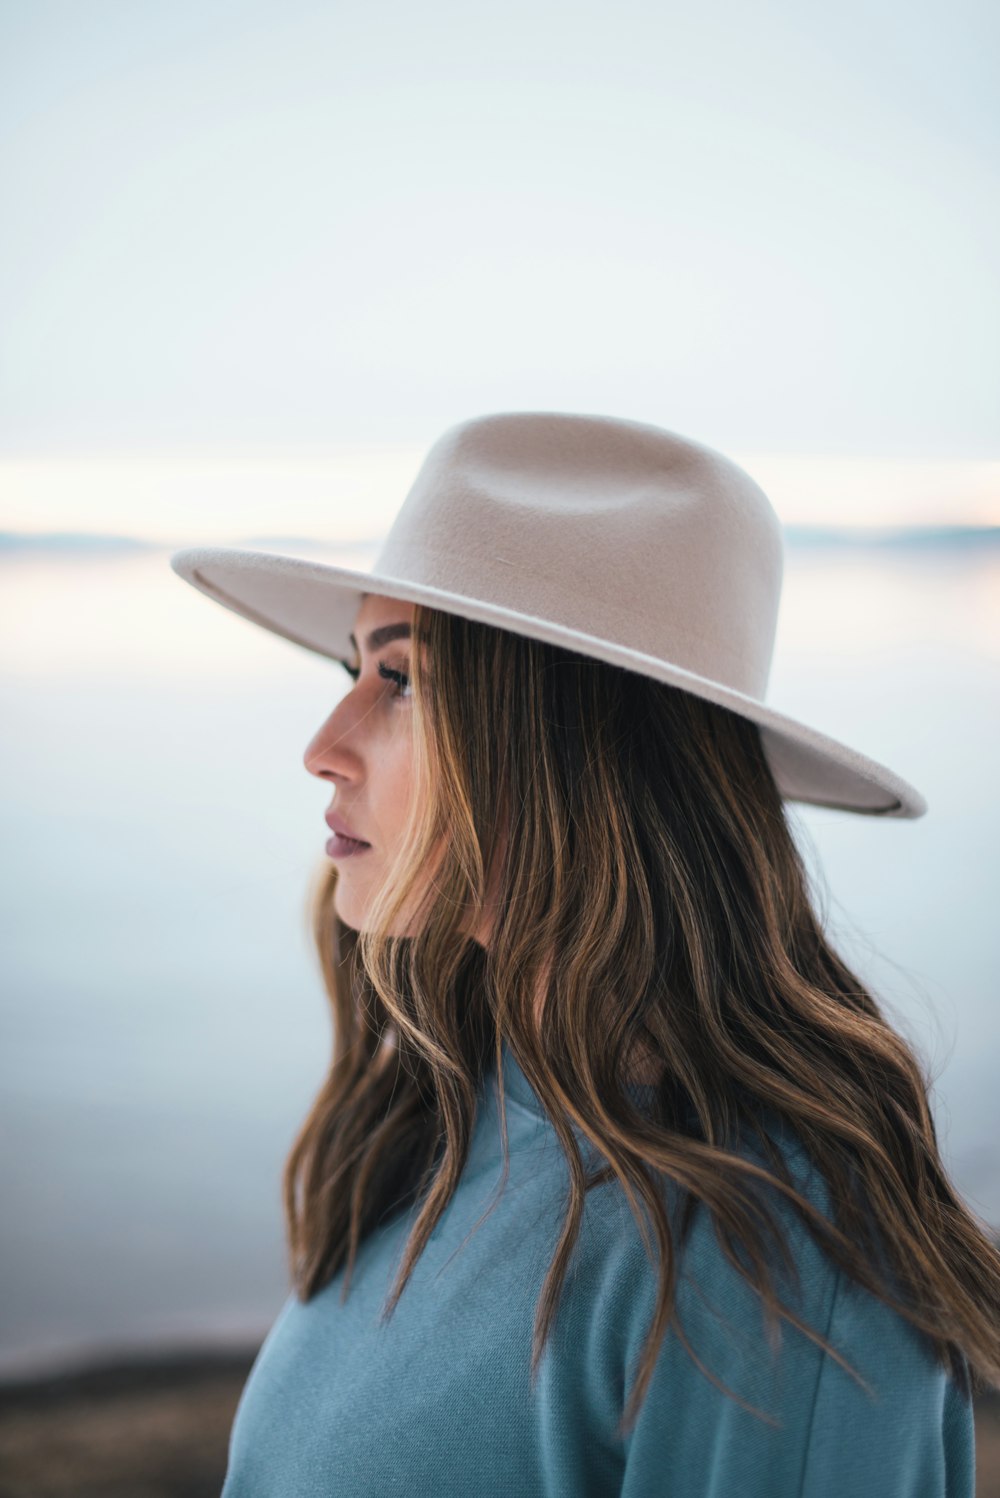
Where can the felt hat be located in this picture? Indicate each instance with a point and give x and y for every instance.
(613, 538)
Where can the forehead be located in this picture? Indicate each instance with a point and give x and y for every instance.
(377, 609)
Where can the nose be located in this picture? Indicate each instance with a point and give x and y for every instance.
(329, 755)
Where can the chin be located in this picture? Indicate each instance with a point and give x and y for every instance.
(351, 912)
(353, 909)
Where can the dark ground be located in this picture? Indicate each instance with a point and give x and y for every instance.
(160, 1430)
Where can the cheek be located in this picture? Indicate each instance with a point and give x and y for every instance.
(395, 780)
(401, 783)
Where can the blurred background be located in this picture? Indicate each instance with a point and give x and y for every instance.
(255, 259)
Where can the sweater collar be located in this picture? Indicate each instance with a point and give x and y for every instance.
(517, 1086)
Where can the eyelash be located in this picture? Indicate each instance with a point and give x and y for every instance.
(387, 674)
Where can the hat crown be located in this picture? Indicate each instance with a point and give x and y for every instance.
(613, 528)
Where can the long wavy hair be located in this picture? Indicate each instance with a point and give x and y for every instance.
(652, 918)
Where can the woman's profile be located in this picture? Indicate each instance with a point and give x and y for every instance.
(619, 1182)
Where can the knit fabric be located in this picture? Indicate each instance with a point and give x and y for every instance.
(438, 1399)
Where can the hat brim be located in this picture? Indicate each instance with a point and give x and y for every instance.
(314, 604)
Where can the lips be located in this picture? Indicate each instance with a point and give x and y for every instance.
(338, 825)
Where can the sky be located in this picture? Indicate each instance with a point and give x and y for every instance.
(262, 255)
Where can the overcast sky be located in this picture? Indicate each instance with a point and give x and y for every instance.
(231, 228)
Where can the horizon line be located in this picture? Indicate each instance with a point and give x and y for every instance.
(795, 532)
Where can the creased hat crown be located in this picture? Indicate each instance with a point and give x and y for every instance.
(609, 527)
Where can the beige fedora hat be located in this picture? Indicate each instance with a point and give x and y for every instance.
(613, 538)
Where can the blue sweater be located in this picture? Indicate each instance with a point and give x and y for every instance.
(437, 1400)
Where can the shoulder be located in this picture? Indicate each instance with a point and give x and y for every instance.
(718, 1310)
(789, 1412)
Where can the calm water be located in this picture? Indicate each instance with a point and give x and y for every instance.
(164, 1027)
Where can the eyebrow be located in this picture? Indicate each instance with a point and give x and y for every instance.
(384, 634)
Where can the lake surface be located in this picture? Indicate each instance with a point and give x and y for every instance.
(164, 1028)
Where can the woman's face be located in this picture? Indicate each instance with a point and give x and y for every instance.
(365, 751)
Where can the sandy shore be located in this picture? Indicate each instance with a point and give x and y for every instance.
(156, 1429)
(160, 1429)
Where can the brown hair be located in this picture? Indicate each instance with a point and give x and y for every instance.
(652, 910)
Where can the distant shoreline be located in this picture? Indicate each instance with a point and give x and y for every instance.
(85, 545)
(105, 1377)
(35, 1365)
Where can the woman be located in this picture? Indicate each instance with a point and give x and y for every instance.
(620, 1182)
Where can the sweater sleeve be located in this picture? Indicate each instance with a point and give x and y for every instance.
(912, 1437)
(824, 1436)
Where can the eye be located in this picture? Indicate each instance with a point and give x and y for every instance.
(399, 677)
(387, 673)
